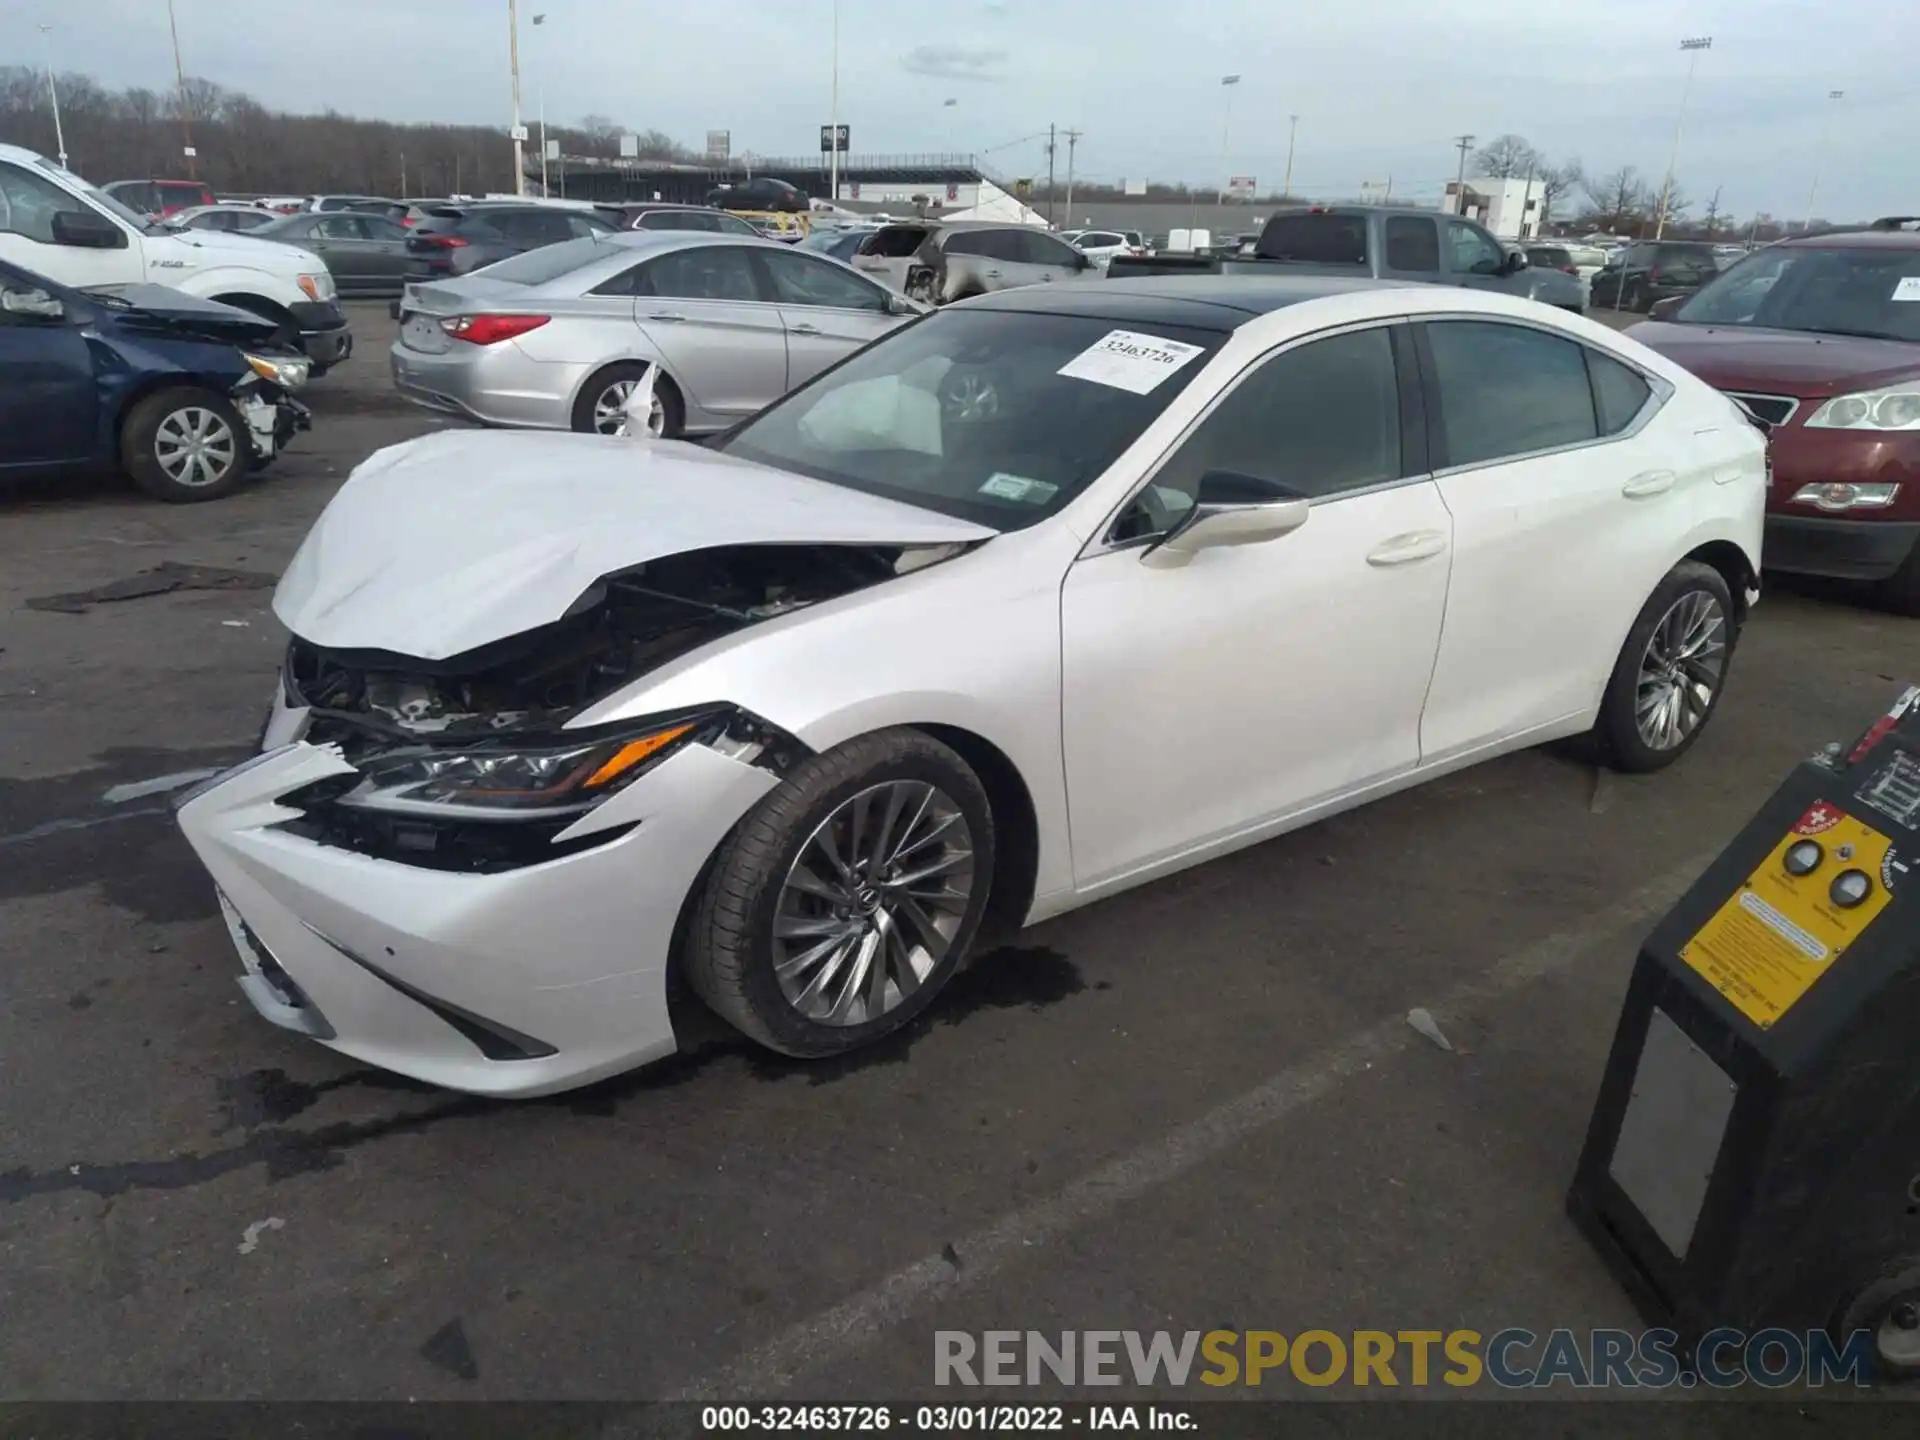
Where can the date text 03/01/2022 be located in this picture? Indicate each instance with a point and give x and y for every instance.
(943, 1419)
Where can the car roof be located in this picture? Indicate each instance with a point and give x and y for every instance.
(1855, 240)
(1207, 302)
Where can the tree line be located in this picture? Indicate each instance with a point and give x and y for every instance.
(245, 148)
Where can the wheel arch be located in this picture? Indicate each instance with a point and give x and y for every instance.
(152, 385)
(1016, 862)
(1734, 567)
(634, 358)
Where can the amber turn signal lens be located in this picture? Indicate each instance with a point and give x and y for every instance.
(632, 753)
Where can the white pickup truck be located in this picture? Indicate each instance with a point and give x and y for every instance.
(54, 223)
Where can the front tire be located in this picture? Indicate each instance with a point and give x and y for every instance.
(844, 901)
(1667, 681)
(185, 445)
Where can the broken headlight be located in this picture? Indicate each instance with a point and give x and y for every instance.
(509, 782)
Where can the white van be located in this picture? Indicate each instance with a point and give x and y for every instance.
(55, 224)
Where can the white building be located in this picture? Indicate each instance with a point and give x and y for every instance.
(1511, 209)
(966, 200)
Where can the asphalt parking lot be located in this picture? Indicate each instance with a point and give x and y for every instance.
(1196, 1106)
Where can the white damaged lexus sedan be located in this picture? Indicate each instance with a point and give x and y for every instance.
(1034, 599)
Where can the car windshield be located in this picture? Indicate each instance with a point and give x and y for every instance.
(993, 416)
(1841, 290)
(101, 198)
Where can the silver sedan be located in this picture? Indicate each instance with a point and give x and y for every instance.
(558, 338)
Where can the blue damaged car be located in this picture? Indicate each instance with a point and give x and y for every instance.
(186, 396)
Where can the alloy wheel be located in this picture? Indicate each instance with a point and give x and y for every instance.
(195, 447)
(872, 902)
(610, 410)
(1681, 671)
(972, 398)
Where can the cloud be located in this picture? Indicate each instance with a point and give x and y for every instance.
(955, 62)
(998, 9)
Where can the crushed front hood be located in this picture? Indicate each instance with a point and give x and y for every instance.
(167, 310)
(456, 540)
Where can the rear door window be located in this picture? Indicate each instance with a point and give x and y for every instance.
(1620, 392)
(704, 272)
(1507, 390)
(1412, 243)
(898, 242)
(1038, 249)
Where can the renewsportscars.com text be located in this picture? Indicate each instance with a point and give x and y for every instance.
(1513, 1359)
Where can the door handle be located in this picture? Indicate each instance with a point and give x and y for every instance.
(1405, 549)
(1047, 278)
(1648, 482)
(667, 316)
(804, 329)
(992, 274)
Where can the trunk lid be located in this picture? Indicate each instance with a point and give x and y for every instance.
(443, 544)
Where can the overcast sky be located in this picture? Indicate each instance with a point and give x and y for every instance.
(1381, 86)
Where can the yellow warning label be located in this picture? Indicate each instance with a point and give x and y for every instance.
(1796, 914)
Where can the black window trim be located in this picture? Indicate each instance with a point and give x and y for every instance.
(1659, 391)
(1413, 429)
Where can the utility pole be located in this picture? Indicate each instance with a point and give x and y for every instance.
(1073, 139)
(1462, 143)
(519, 132)
(538, 21)
(1526, 198)
(403, 174)
(1227, 82)
(1693, 47)
(1820, 144)
(833, 116)
(180, 78)
(53, 94)
(1293, 127)
(1050, 139)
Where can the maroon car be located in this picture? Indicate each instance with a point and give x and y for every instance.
(1818, 338)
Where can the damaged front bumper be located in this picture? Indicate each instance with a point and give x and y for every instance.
(515, 983)
(273, 418)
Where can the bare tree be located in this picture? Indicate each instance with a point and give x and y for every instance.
(1556, 181)
(1509, 157)
(1710, 221)
(1620, 198)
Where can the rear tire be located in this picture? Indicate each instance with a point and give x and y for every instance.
(1670, 673)
(184, 445)
(764, 946)
(606, 388)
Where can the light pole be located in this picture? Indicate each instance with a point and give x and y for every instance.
(948, 105)
(53, 94)
(1819, 146)
(1293, 128)
(833, 116)
(519, 131)
(180, 78)
(538, 21)
(1692, 46)
(1227, 82)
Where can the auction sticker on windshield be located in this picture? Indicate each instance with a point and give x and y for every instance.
(1128, 360)
(1908, 288)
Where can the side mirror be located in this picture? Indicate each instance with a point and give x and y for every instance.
(36, 303)
(1232, 509)
(900, 305)
(1667, 308)
(1516, 261)
(87, 230)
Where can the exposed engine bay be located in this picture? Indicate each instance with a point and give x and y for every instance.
(625, 625)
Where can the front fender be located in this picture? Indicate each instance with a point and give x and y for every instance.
(242, 280)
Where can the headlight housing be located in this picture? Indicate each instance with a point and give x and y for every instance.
(317, 286)
(1895, 408)
(507, 781)
(289, 372)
